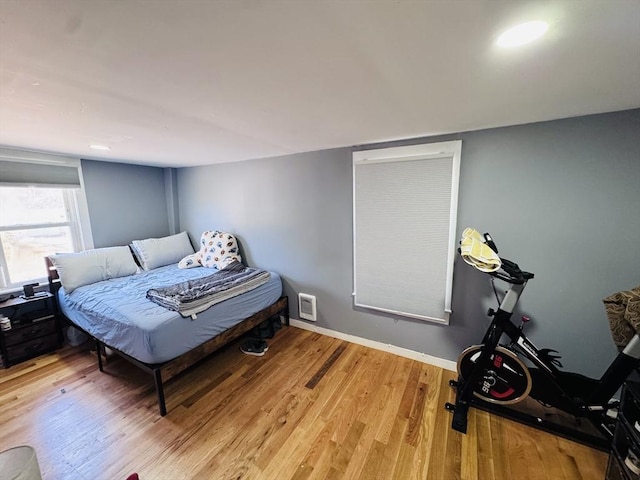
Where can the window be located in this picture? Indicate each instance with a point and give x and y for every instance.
(42, 211)
(405, 202)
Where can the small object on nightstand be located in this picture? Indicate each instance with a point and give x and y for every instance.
(28, 289)
(35, 295)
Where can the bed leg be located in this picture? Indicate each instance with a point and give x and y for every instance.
(157, 377)
(285, 312)
(99, 352)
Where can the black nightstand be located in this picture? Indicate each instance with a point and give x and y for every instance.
(35, 328)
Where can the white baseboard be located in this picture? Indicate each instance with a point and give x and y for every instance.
(403, 352)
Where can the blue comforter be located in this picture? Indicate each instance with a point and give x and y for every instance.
(117, 312)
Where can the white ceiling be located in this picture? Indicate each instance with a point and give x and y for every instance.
(175, 83)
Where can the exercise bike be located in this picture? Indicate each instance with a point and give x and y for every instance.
(494, 377)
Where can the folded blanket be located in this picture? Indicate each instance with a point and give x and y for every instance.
(195, 296)
(477, 253)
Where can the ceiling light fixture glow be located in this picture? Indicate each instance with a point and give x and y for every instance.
(522, 34)
(99, 147)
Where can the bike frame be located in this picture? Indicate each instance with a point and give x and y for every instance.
(592, 404)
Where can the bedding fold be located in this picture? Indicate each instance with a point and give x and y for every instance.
(194, 296)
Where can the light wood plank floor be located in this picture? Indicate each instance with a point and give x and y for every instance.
(313, 407)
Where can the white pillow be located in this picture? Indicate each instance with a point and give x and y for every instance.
(157, 252)
(91, 266)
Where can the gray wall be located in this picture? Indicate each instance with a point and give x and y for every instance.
(561, 198)
(126, 202)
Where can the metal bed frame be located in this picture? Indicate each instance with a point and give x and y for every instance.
(165, 371)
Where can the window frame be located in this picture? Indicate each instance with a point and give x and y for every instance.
(74, 200)
(451, 150)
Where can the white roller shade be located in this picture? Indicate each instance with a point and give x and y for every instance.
(405, 203)
(19, 168)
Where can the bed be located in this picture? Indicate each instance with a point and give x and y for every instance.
(115, 311)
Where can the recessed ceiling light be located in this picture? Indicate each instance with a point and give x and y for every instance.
(522, 34)
(99, 147)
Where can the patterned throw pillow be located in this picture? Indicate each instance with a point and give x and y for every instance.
(190, 261)
(218, 249)
(623, 313)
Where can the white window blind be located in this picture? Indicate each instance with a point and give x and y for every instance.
(25, 168)
(404, 206)
(42, 174)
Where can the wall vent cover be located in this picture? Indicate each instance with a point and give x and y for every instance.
(307, 306)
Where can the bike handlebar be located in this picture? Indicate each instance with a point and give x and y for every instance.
(510, 272)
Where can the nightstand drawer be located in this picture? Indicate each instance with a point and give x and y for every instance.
(33, 347)
(27, 332)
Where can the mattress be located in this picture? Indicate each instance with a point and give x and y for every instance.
(117, 312)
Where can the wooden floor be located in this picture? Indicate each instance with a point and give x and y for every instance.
(313, 407)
